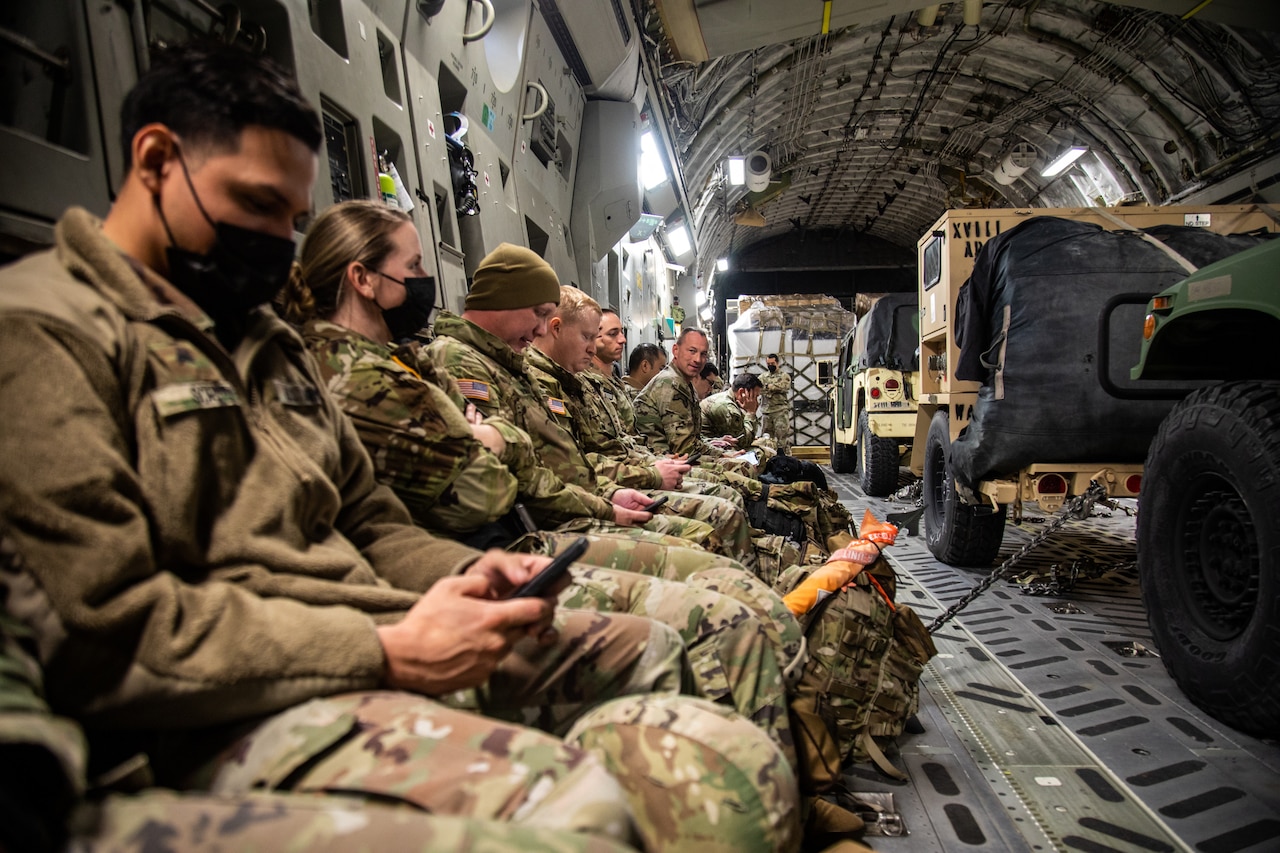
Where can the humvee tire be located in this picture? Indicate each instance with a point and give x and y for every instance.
(877, 460)
(957, 534)
(1209, 551)
(843, 456)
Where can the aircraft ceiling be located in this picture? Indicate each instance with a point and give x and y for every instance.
(882, 123)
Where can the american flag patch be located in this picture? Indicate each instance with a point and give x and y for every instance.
(557, 406)
(474, 389)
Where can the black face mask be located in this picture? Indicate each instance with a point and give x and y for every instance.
(409, 317)
(241, 270)
(773, 368)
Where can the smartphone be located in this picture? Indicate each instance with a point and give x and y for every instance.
(545, 580)
(653, 506)
(693, 458)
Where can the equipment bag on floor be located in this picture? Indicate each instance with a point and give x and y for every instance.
(866, 653)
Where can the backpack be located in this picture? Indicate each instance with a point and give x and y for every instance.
(861, 682)
(788, 469)
(802, 511)
(774, 554)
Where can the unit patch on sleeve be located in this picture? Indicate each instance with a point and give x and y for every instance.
(474, 389)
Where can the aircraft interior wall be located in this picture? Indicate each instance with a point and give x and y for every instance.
(392, 85)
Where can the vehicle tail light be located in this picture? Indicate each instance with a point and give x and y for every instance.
(1051, 484)
(875, 393)
(1133, 483)
(891, 384)
(1148, 327)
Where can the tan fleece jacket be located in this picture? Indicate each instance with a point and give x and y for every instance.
(204, 536)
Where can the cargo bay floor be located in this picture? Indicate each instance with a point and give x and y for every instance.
(1044, 730)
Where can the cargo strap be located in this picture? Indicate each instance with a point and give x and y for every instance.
(877, 756)
(1177, 258)
(1269, 210)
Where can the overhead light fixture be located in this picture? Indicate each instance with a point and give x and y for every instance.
(700, 297)
(722, 264)
(759, 169)
(737, 171)
(652, 170)
(678, 240)
(1065, 159)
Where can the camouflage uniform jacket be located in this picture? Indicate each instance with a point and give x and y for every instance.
(620, 398)
(494, 377)
(223, 547)
(776, 396)
(721, 415)
(414, 429)
(594, 424)
(632, 392)
(569, 404)
(668, 417)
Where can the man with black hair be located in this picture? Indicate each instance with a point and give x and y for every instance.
(732, 411)
(210, 565)
(647, 361)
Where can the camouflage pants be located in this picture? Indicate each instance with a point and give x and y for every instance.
(699, 776)
(710, 469)
(691, 566)
(671, 768)
(691, 530)
(732, 529)
(627, 552)
(696, 486)
(598, 656)
(165, 820)
(778, 425)
(732, 634)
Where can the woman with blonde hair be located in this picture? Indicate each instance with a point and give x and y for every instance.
(359, 288)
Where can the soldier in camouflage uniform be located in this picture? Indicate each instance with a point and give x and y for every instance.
(725, 412)
(776, 404)
(732, 412)
(401, 417)
(609, 430)
(667, 414)
(646, 361)
(207, 548)
(558, 360)
(43, 774)
(491, 372)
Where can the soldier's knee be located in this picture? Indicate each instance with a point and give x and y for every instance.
(696, 774)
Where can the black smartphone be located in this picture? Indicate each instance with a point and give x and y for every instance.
(653, 506)
(545, 580)
(693, 458)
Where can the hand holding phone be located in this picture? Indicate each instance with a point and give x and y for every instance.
(653, 506)
(545, 580)
(692, 458)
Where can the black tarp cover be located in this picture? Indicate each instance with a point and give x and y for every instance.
(1040, 399)
(888, 335)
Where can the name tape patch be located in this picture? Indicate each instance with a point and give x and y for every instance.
(297, 395)
(193, 396)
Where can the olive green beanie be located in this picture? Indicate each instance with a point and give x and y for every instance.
(512, 277)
